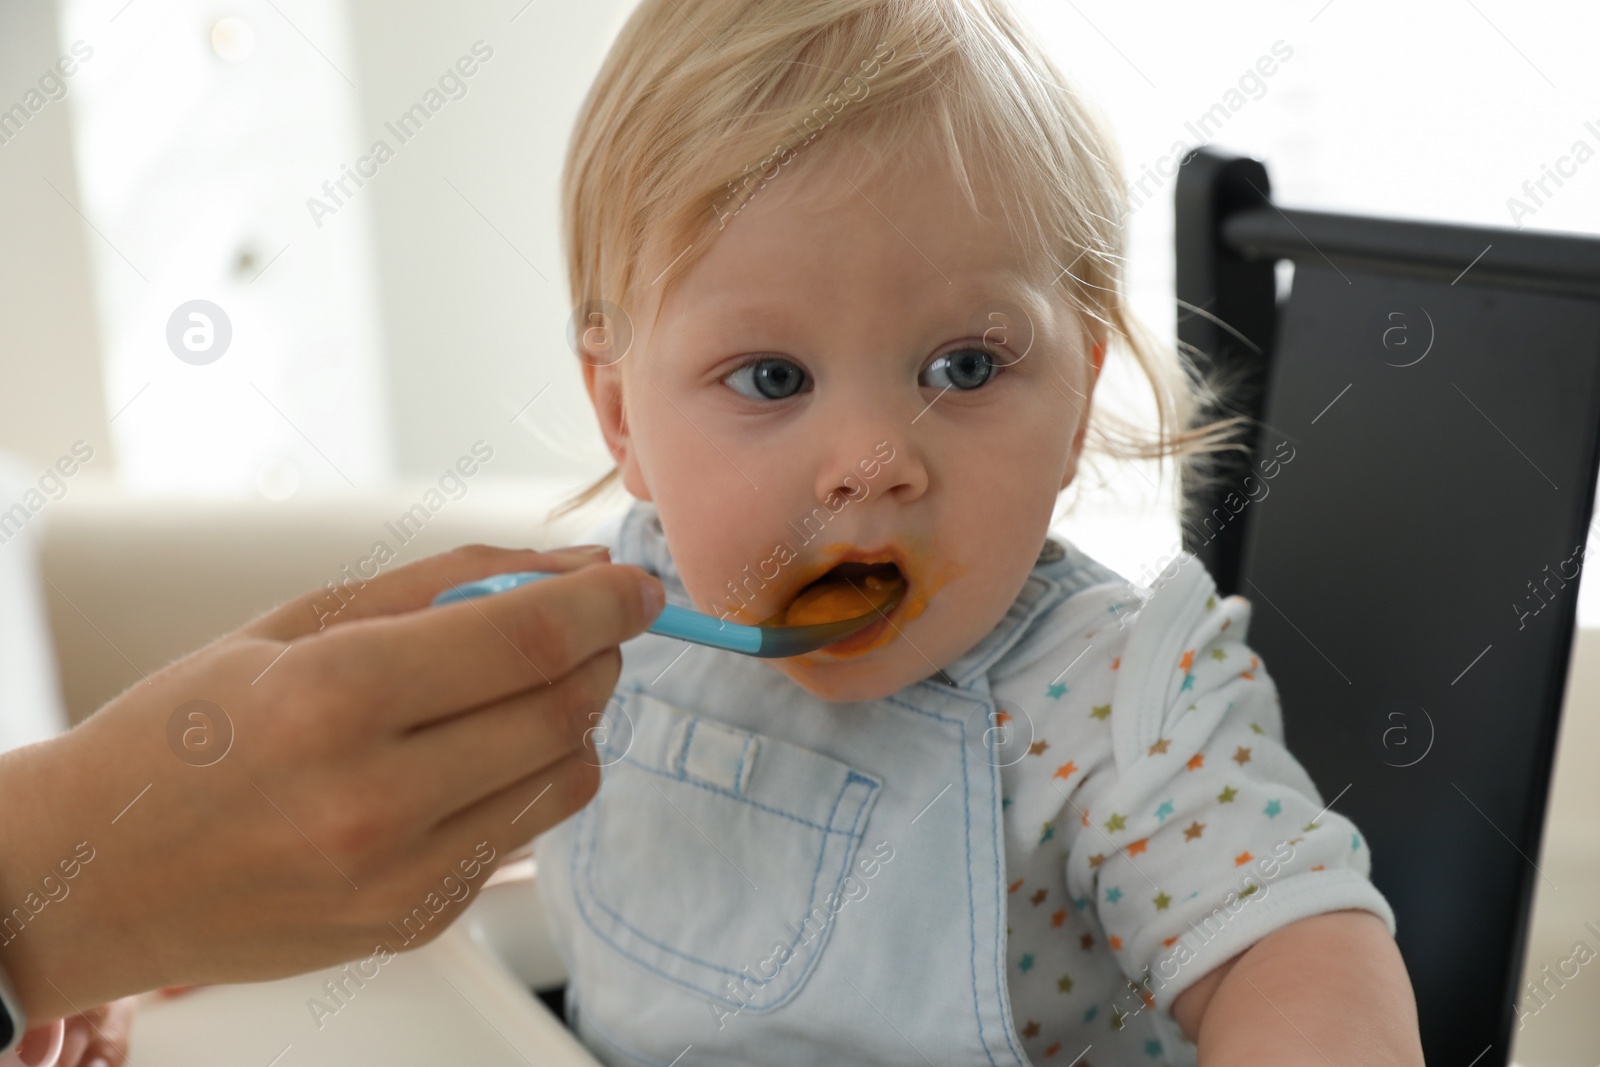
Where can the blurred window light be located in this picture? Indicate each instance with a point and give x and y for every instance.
(242, 342)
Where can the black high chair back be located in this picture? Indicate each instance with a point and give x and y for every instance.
(1410, 527)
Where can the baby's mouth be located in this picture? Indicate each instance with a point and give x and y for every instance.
(845, 591)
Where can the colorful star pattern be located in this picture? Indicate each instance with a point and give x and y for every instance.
(1049, 804)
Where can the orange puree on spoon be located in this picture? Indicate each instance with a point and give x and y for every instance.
(836, 596)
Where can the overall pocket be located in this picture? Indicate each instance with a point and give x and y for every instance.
(716, 858)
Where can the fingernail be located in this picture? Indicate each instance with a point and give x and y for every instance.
(655, 596)
(99, 1061)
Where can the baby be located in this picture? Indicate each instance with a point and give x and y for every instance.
(847, 274)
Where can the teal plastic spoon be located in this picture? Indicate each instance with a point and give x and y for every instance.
(767, 642)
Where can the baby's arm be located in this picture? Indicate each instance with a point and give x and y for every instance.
(1232, 897)
(1330, 988)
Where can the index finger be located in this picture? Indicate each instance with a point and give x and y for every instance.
(434, 663)
(408, 588)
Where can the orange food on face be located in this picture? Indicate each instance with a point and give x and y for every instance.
(837, 597)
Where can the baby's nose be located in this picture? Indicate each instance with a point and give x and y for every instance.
(884, 464)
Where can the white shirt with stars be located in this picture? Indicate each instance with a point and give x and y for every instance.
(1156, 825)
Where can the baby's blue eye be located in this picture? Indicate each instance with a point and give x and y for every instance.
(964, 368)
(767, 379)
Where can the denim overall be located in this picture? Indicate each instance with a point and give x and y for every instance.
(767, 877)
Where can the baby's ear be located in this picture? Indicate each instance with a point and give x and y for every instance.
(606, 394)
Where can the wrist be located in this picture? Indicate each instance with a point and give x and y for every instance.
(42, 854)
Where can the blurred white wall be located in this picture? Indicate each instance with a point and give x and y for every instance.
(50, 370)
(472, 276)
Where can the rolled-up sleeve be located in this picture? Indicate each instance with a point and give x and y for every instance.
(1213, 834)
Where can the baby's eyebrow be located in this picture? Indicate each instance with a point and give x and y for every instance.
(1017, 306)
(782, 316)
(973, 306)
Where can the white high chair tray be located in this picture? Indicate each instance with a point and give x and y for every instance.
(450, 1001)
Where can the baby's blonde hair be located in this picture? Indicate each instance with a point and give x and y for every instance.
(700, 101)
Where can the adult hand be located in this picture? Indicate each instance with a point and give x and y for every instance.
(327, 787)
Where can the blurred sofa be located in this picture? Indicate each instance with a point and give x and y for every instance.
(133, 583)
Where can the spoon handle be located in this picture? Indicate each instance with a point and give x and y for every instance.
(767, 642)
(673, 621)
